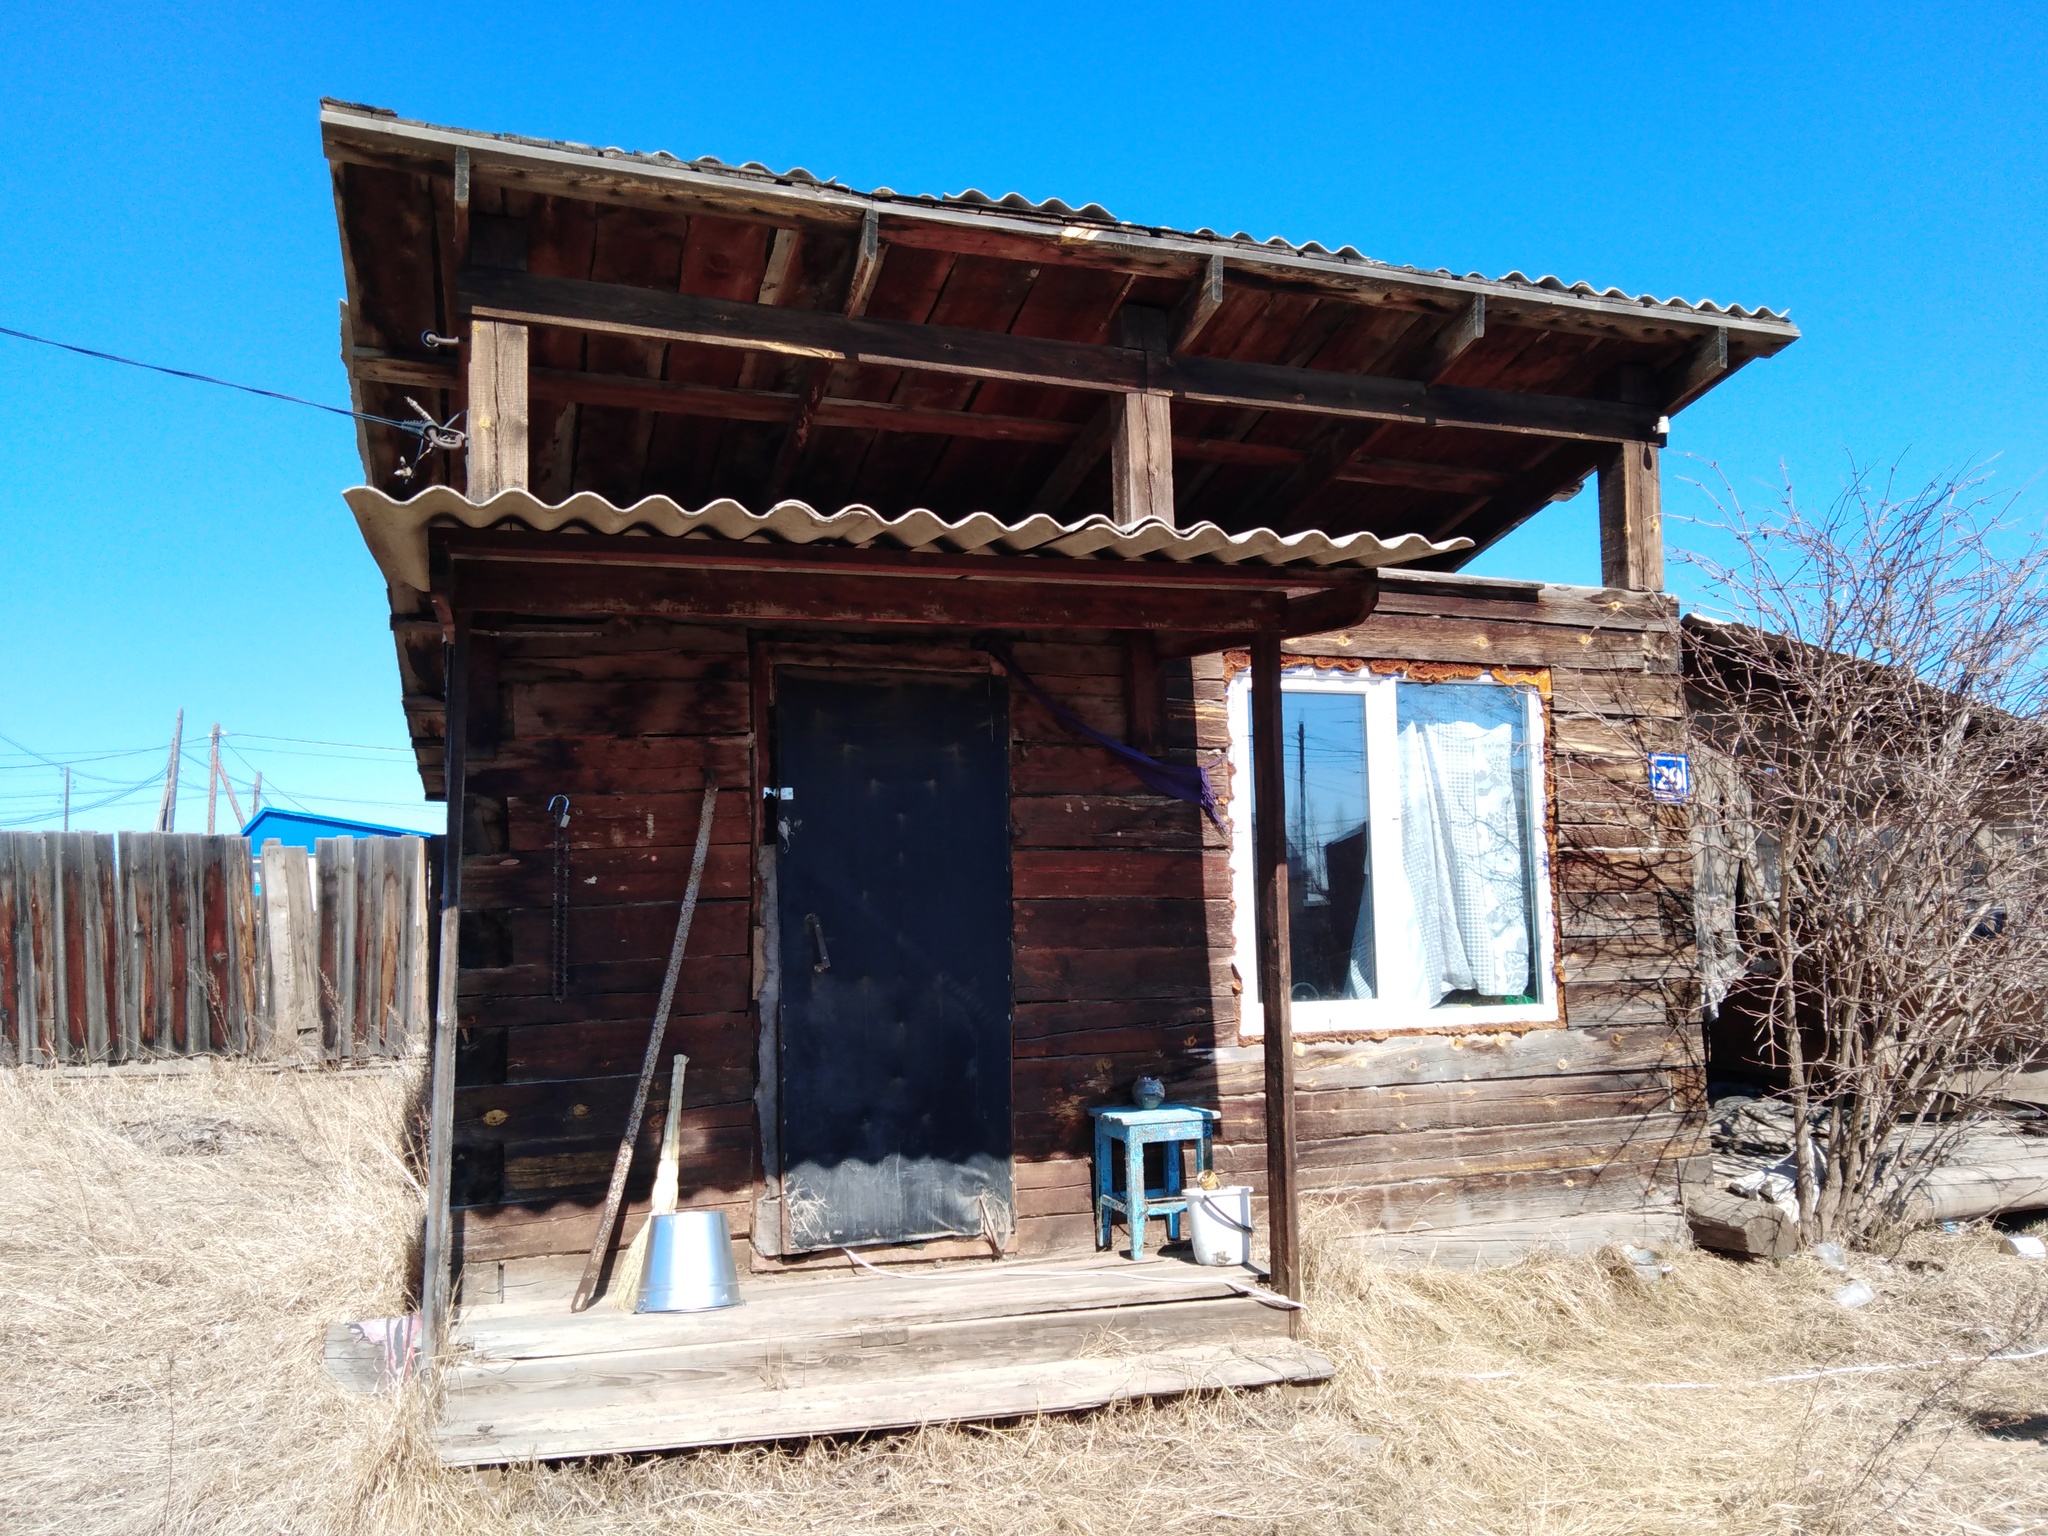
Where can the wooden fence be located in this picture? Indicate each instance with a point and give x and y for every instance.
(142, 945)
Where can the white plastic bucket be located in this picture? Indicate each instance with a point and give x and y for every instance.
(1220, 1224)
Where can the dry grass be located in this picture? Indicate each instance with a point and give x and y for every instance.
(172, 1248)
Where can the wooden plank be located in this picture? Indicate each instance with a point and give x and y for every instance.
(830, 1350)
(13, 1021)
(677, 1418)
(1631, 520)
(1049, 873)
(293, 942)
(1465, 327)
(1482, 1245)
(616, 309)
(498, 458)
(560, 585)
(1276, 988)
(435, 1246)
(810, 1309)
(1538, 1053)
(1197, 307)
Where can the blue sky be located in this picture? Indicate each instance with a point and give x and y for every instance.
(1876, 170)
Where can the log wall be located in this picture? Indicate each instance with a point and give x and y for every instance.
(1123, 931)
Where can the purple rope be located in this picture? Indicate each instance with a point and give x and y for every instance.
(1182, 781)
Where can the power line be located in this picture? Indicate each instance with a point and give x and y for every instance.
(302, 741)
(431, 433)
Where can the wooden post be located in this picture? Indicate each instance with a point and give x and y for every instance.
(1276, 970)
(1141, 436)
(498, 414)
(436, 1246)
(167, 808)
(1631, 520)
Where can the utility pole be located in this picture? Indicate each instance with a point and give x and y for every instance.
(234, 805)
(212, 776)
(67, 797)
(256, 795)
(167, 811)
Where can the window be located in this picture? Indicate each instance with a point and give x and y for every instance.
(1418, 877)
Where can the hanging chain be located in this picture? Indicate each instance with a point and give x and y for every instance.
(558, 956)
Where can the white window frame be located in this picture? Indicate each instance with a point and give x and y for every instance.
(1371, 1015)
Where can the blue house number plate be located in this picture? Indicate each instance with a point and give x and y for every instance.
(1670, 777)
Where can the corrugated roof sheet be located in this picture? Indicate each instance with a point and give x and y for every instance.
(396, 531)
(1053, 210)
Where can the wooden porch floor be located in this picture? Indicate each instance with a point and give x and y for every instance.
(817, 1355)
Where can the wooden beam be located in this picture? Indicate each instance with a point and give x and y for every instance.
(867, 270)
(1141, 438)
(782, 248)
(1275, 959)
(616, 309)
(1084, 452)
(1631, 520)
(1456, 338)
(436, 1247)
(665, 397)
(733, 594)
(1286, 507)
(498, 413)
(1704, 365)
(1198, 306)
(867, 266)
(1319, 613)
(1232, 583)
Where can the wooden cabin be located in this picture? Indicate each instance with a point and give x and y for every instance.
(994, 559)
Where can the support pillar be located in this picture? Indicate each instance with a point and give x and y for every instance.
(1276, 970)
(1631, 520)
(498, 410)
(1141, 434)
(436, 1248)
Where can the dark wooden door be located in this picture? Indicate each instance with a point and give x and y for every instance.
(893, 892)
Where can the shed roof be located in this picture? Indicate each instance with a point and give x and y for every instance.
(628, 413)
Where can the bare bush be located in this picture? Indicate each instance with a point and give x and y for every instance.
(1874, 767)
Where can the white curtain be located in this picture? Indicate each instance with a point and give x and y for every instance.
(1465, 839)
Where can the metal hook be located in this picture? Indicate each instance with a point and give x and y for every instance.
(434, 342)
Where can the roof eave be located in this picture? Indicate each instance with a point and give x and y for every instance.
(599, 173)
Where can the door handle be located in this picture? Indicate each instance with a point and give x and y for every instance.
(817, 932)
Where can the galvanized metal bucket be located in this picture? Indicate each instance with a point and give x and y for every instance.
(689, 1264)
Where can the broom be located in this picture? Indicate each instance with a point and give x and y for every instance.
(615, 1197)
(626, 1283)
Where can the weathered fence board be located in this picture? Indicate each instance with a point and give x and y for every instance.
(372, 943)
(292, 945)
(141, 945)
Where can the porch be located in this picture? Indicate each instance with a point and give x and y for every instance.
(840, 1353)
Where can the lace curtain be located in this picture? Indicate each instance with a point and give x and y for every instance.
(1465, 839)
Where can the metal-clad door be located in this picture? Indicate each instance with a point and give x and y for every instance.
(893, 887)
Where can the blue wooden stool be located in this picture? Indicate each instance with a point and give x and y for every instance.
(1170, 1125)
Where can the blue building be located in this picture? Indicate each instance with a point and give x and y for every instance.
(299, 829)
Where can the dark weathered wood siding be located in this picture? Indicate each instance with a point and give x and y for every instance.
(1123, 930)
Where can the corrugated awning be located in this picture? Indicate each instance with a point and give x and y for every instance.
(396, 532)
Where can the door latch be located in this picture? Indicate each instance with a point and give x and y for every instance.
(817, 930)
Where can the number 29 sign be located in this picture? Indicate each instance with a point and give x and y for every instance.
(1670, 777)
